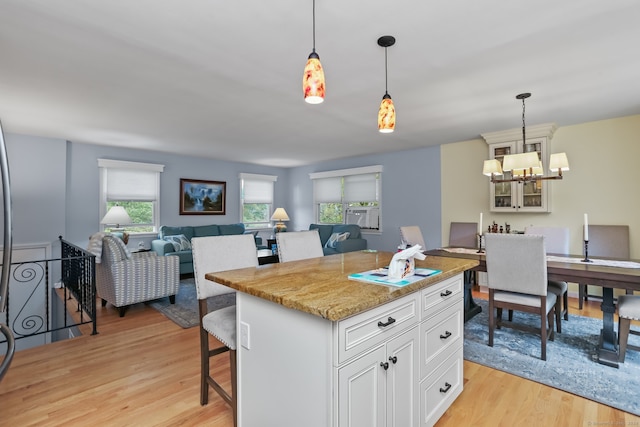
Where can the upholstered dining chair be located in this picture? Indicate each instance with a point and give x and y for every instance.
(606, 241)
(297, 245)
(517, 280)
(211, 254)
(411, 235)
(556, 241)
(463, 234)
(628, 310)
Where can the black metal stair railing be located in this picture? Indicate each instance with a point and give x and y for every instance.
(33, 315)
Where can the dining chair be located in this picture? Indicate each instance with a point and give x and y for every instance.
(212, 254)
(463, 235)
(628, 310)
(298, 245)
(517, 280)
(411, 235)
(606, 241)
(556, 241)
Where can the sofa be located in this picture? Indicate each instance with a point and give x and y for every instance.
(177, 240)
(330, 246)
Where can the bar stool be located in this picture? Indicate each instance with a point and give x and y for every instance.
(628, 310)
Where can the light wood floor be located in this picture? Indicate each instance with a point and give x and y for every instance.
(143, 370)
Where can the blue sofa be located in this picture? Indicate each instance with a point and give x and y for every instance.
(169, 241)
(354, 242)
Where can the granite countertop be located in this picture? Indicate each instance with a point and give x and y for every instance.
(320, 286)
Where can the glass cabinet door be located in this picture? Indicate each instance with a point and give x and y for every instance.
(503, 193)
(532, 192)
(513, 196)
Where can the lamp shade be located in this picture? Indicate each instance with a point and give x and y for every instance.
(313, 80)
(386, 115)
(117, 215)
(522, 161)
(558, 161)
(492, 167)
(280, 215)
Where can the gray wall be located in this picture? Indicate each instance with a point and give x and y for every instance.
(55, 189)
(84, 182)
(410, 194)
(37, 175)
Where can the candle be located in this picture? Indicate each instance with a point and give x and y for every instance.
(586, 228)
(480, 224)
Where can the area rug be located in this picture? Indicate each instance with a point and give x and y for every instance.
(570, 364)
(185, 311)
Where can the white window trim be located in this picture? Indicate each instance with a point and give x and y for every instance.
(256, 177)
(347, 172)
(104, 164)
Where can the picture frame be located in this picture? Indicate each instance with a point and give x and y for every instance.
(200, 197)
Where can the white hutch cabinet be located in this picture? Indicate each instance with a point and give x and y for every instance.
(517, 196)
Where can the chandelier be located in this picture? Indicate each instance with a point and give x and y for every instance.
(525, 166)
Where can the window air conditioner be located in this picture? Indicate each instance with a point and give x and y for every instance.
(365, 217)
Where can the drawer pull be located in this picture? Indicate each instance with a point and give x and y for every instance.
(446, 388)
(385, 365)
(446, 293)
(390, 320)
(446, 335)
(393, 359)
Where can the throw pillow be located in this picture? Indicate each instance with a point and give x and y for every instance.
(179, 242)
(335, 238)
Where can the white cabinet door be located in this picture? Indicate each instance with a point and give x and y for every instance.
(402, 385)
(362, 391)
(517, 196)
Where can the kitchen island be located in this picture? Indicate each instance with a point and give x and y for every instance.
(318, 349)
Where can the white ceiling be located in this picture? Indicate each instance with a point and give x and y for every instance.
(223, 79)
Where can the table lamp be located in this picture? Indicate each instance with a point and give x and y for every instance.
(280, 215)
(117, 216)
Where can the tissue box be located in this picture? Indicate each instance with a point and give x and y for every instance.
(404, 268)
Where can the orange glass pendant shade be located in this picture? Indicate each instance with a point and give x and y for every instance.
(386, 115)
(313, 80)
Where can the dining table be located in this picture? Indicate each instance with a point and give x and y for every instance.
(608, 273)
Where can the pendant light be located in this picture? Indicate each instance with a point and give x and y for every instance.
(313, 77)
(525, 166)
(387, 112)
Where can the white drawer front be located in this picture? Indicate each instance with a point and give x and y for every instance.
(440, 389)
(437, 297)
(438, 334)
(365, 330)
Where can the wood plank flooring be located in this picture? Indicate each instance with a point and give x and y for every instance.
(143, 370)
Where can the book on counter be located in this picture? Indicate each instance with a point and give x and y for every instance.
(380, 276)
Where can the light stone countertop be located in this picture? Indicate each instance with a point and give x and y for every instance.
(320, 286)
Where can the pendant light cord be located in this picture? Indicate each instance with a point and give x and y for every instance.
(314, 25)
(386, 72)
(524, 139)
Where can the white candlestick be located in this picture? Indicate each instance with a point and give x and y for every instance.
(586, 227)
(480, 224)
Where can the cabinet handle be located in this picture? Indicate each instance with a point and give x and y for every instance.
(446, 293)
(446, 335)
(446, 388)
(385, 365)
(390, 320)
(393, 359)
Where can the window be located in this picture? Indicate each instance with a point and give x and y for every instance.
(256, 200)
(348, 196)
(134, 186)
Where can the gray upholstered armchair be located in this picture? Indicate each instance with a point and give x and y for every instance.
(123, 278)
